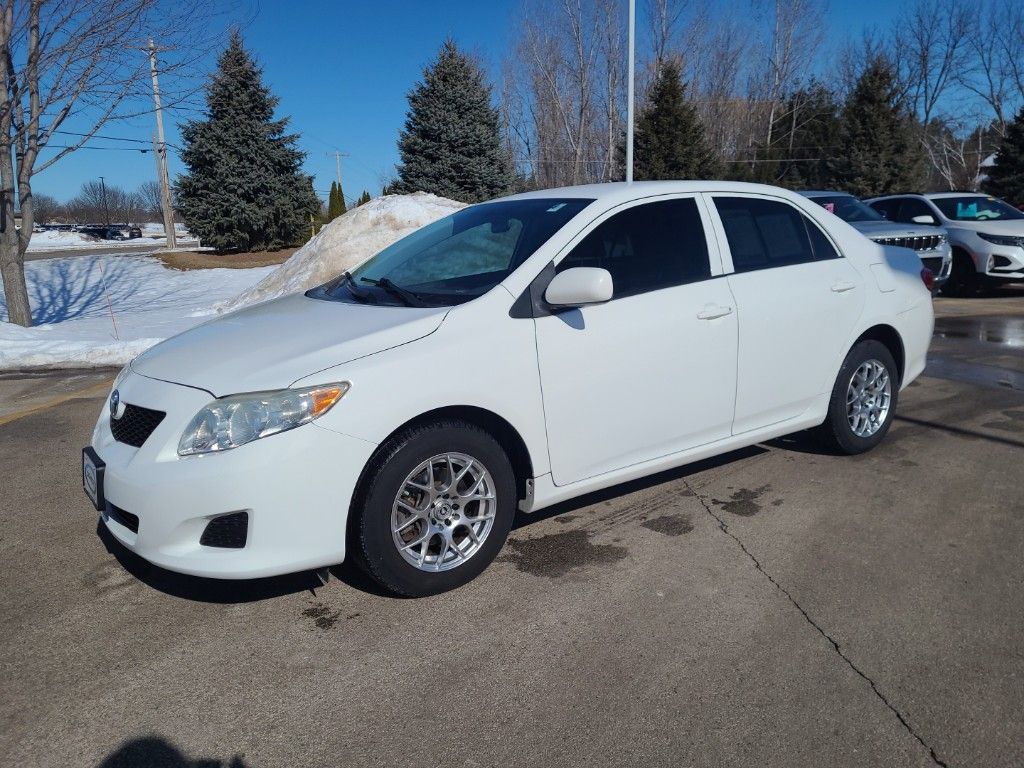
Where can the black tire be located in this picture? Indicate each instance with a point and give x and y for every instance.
(964, 280)
(836, 431)
(371, 542)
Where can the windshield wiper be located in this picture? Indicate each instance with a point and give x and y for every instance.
(404, 295)
(353, 288)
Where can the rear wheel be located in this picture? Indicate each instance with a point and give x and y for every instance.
(863, 400)
(435, 511)
(963, 277)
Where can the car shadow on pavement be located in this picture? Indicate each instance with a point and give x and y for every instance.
(203, 589)
(157, 752)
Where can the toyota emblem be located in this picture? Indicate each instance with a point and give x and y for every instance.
(115, 405)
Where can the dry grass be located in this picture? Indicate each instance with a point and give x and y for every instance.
(208, 260)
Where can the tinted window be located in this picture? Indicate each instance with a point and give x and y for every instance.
(647, 247)
(887, 208)
(764, 234)
(911, 207)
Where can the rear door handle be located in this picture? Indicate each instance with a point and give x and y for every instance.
(841, 286)
(712, 311)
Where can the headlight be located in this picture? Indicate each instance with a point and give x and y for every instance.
(1002, 239)
(233, 421)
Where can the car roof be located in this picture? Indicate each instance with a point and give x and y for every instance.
(941, 195)
(824, 192)
(620, 192)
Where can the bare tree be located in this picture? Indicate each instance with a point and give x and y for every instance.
(45, 207)
(63, 58)
(151, 200)
(933, 36)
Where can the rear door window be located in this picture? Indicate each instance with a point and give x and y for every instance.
(764, 234)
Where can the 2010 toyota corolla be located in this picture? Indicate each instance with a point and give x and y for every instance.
(513, 355)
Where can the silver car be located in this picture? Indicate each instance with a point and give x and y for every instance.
(931, 244)
(986, 233)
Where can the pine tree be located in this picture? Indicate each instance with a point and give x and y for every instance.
(335, 202)
(244, 188)
(363, 198)
(670, 141)
(1006, 177)
(808, 132)
(879, 151)
(451, 144)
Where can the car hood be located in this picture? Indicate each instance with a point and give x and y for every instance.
(1012, 227)
(874, 229)
(270, 345)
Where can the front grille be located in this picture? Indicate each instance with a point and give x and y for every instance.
(919, 243)
(935, 265)
(226, 531)
(127, 519)
(135, 425)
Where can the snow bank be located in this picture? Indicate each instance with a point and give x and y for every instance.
(53, 239)
(347, 242)
(149, 301)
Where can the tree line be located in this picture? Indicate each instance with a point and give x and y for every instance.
(96, 202)
(747, 93)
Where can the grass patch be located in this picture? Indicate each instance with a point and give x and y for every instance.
(184, 260)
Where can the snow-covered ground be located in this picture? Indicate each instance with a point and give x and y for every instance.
(53, 240)
(149, 301)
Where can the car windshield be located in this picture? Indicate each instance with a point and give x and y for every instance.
(848, 208)
(976, 208)
(457, 258)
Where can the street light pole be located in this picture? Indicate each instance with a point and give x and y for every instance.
(106, 211)
(629, 92)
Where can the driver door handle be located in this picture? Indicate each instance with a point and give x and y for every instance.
(841, 286)
(712, 311)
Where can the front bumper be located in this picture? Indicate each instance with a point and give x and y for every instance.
(295, 487)
(1001, 262)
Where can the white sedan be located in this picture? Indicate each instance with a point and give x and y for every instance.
(513, 355)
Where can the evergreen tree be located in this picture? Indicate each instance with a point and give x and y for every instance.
(879, 150)
(363, 198)
(451, 144)
(808, 131)
(335, 202)
(1006, 177)
(244, 188)
(670, 141)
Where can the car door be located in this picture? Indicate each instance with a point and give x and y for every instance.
(797, 301)
(652, 371)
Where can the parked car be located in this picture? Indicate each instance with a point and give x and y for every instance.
(986, 234)
(515, 354)
(102, 232)
(930, 245)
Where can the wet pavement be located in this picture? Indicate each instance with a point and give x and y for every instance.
(777, 606)
(980, 341)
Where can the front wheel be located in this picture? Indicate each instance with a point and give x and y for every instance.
(963, 280)
(863, 400)
(436, 509)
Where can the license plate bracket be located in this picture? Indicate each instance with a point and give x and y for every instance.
(92, 477)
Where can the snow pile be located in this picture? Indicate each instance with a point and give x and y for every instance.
(150, 302)
(347, 242)
(53, 239)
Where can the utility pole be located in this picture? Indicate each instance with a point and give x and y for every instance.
(160, 145)
(337, 162)
(106, 210)
(629, 92)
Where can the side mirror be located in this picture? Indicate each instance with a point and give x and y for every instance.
(924, 218)
(579, 286)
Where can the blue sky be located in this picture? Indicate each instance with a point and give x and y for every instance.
(342, 71)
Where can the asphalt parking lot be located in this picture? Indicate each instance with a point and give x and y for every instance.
(778, 606)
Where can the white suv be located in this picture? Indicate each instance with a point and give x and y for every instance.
(513, 355)
(987, 234)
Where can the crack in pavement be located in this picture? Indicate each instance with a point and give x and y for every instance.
(724, 528)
